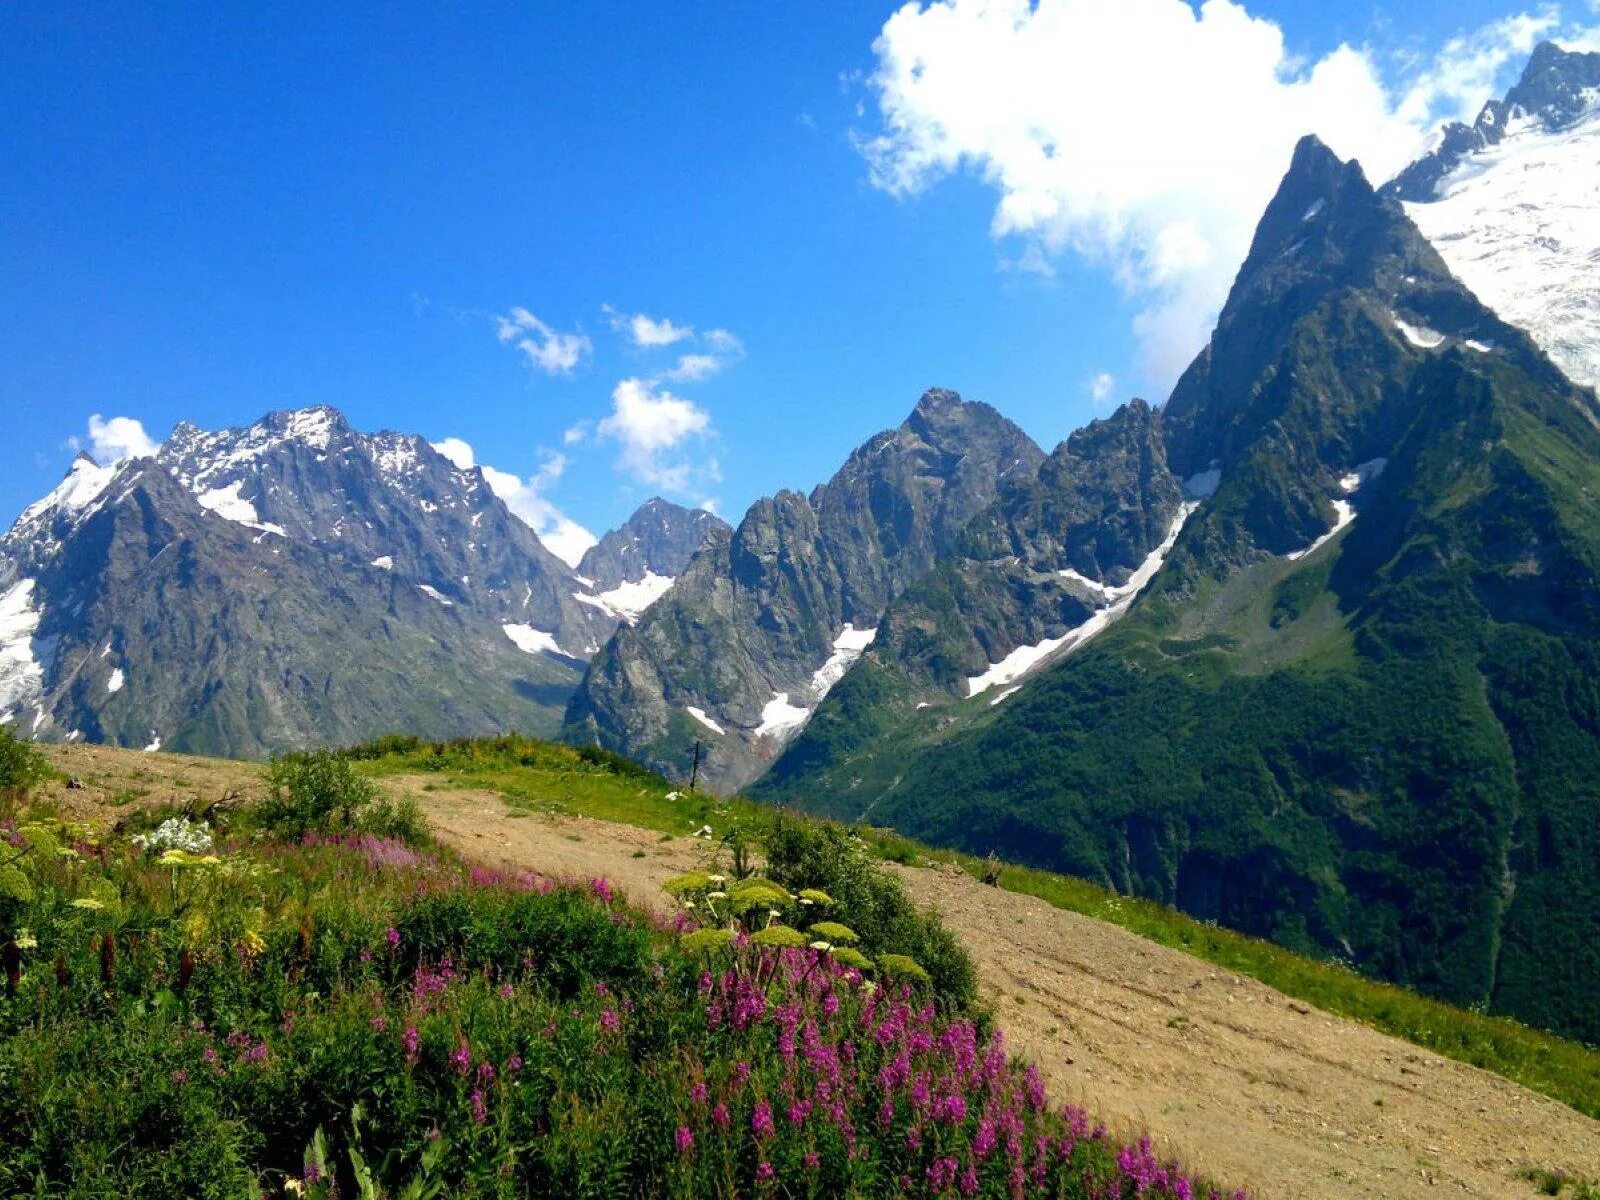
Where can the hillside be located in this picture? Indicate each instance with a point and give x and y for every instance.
(1241, 1080)
(1353, 710)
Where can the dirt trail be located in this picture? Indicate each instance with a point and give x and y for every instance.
(1233, 1077)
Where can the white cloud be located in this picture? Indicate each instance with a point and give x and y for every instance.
(1468, 68)
(722, 349)
(562, 536)
(647, 331)
(692, 367)
(1100, 387)
(651, 426)
(116, 439)
(546, 349)
(724, 342)
(458, 452)
(576, 433)
(1146, 135)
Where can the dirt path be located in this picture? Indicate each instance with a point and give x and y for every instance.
(1233, 1077)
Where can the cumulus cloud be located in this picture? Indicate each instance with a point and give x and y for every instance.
(115, 439)
(545, 348)
(653, 429)
(525, 497)
(1147, 135)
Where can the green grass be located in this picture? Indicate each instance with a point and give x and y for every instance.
(541, 776)
(535, 776)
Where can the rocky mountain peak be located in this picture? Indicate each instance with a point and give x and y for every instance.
(1557, 87)
(1319, 191)
(655, 543)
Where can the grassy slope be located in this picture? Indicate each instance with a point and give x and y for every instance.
(542, 777)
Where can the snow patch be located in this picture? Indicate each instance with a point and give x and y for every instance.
(532, 641)
(1316, 207)
(780, 719)
(114, 684)
(313, 426)
(436, 594)
(628, 600)
(847, 647)
(1007, 694)
(1118, 600)
(1480, 347)
(21, 654)
(384, 562)
(1344, 511)
(1420, 335)
(228, 504)
(699, 714)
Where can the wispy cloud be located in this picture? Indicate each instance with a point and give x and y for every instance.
(1100, 387)
(545, 348)
(564, 537)
(645, 330)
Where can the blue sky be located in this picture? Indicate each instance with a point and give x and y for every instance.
(442, 222)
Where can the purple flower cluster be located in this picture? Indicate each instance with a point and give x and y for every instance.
(876, 1076)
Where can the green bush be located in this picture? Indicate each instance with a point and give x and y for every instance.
(807, 854)
(315, 792)
(23, 765)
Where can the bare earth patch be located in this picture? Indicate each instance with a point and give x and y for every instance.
(1235, 1078)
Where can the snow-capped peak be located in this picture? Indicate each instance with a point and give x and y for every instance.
(42, 525)
(1510, 206)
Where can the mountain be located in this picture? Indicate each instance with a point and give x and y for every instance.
(766, 617)
(1354, 708)
(632, 566)
(292, 582)
(1509, 201)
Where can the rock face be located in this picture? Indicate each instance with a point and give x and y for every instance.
(765, 618)
(385, 501)
(658, 539)
(288, 583)
(1353, 708)
(632, 567)
(1509, 201)
(158, 624)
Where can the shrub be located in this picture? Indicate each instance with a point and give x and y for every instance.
(314, 791)
(23, 765)
(806, 854)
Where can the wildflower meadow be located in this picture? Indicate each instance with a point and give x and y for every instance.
(214, 1010)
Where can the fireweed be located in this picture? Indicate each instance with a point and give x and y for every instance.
(304, 1017)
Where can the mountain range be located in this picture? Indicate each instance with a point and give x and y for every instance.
(298, 582)
(1309, 649)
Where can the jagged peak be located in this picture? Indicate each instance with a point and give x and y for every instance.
(938, 399)
(1317, 183)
